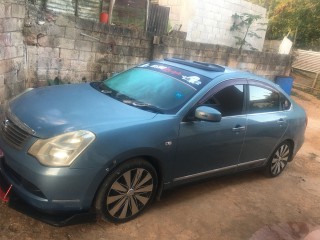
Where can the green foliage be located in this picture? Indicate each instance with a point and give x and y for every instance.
(242, 25)
(294, 16)
(301, 16)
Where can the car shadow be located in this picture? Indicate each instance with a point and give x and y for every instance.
(207, 186)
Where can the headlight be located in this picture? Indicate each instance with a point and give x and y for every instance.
(62, 150)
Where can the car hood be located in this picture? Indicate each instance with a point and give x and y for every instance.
(50, 111)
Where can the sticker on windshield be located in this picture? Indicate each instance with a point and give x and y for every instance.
(180, 74)
(192, 79)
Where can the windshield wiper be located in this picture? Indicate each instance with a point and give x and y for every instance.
(106, 90)
(127, 100)
(144, 106)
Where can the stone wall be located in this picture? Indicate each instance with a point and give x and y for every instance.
(56, 48)
(12, 50)
(74, 50)
(271, 46)
(264, 64)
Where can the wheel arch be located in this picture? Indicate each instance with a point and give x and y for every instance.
(154, 161)
(291, 142)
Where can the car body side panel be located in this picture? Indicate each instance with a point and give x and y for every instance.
(296, 118)
(206, 146)
(264, 130)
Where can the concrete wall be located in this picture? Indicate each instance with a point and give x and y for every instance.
(271, 46)
(75, 50)
(12, 50)
(209, 21)
(264, 64)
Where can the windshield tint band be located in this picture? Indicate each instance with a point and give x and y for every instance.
(190, 78)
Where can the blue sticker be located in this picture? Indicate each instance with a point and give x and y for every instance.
(179, 95)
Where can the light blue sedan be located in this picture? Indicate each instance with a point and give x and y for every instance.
(115, 145)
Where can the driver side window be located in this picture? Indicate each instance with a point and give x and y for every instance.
(229, 101)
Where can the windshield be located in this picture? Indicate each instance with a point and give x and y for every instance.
(153, 88)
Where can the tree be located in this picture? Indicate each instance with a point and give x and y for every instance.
(298, 18)
(242, 25)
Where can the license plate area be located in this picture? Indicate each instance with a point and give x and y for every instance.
(5, 188)
(5, 194)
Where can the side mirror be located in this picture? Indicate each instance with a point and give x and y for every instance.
(208, 114)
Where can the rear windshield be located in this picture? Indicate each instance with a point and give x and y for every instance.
(155, 87)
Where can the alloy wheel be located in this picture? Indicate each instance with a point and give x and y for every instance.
(280, 159)
(129, 193)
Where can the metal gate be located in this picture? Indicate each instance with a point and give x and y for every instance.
(158, 19)
(89, 9)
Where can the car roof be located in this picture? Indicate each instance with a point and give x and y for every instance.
(210, 70)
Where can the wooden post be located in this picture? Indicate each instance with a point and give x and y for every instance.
(111, 5)
(76, 12)
(295, 37)
(147, 15)
(315, 81)
(101, 6)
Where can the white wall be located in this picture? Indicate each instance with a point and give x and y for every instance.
(209, 21)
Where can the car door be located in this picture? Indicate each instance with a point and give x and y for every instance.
(266, 124)
(212, 147)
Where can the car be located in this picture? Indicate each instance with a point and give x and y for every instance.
(115, 145)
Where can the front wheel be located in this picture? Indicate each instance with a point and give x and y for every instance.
(279, 159)
(127, 191)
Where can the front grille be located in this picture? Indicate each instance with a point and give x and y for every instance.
(13, 134)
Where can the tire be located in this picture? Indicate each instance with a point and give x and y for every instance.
(127, 191)
(279, 159)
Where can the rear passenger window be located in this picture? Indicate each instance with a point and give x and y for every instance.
(263, 100)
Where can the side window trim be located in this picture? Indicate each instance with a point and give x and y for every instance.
(263, 85)
(214, 90)
(223, 86)
(220, 86)
(266, 87)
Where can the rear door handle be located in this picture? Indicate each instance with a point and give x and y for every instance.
(281, 120)
(238, 128)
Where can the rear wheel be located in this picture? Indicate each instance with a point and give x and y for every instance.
(127, 191)
(279, 159)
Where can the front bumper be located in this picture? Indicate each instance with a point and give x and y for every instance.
(50, 190)
(29, 205)
(58, 220)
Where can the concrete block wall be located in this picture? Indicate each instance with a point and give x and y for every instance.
(12, 50)
(267, 65)
(78, 50)
(271, 46)
(209, 21)
(33, 53)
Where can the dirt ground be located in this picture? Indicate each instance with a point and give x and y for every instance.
(243, 206)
